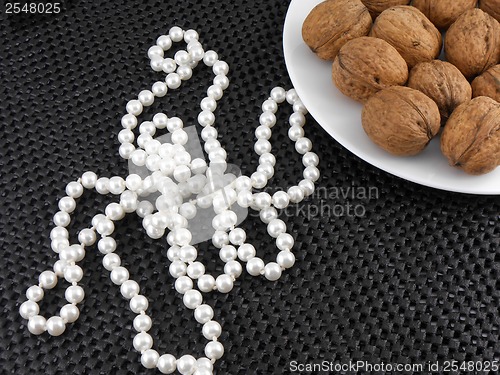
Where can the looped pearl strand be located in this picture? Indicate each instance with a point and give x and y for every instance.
(183, 186)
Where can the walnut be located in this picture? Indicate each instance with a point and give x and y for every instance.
(401, 120)
(471, 137)
(366, 65)
(492, 7)
(378, 6)
(333, 23)
(472, 43)
(488, 84)
(443, 13)
(443, 83)
(410, 32)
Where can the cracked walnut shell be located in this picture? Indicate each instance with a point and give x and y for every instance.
(333, 23)
(367, 65)
(401, 120)
(443, 13)
(409, 31)
(471, 138)
(488, 84)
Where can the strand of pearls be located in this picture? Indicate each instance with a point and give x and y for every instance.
(184, 185)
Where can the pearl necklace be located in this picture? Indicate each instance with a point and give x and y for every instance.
(178, 179)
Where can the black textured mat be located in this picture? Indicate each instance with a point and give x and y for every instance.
(412, 278)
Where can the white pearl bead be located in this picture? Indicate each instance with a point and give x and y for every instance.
(114, 211)
(195, 270)
(296, 194)
(142, 341)
(222, 81)
(87, 237)
(111, 261)
(269, 106)
(276, 227)
(237, 236)
(206, 283)
(303, 145)
(102, 185)
(291, 96)
(142, 323)
(105, 227)
(263, 132)
(190, 36)
(119, 275)
(272, 271)
(88, 180)
(116, 185)
(168, 66)
(149, 358)
(208, 104)
(281, 200)
(220, 238)
(47, 279)
(206, 118)
(67, 204)
(285, 259)
(58, 244)
(34, 293)
(177, 269)
(188, 210)
(134, 107)
(173, 81)
(166, 364)
(311, 173)
(214, 350)
(298, 106)
(183, 284)
(176, 34)
(29, 309)
(55, 326)
(210, 58)
(146, 97)
(69, 313)
(233, 268)
(259, 180)
(68, 254)
(227, 253)
(297, 119)
(205, 364)
(307, 187)
(262, 146)
(62, 219)
(155, 51)
(284, 242)
(267, 119)
(73, 273)
(211, 330)
(74, 189)
(246, 252)
(74, 294)
(208, 132)
(159, 89)
(138, 303)
(182, 57)
(133, 182)
(37, 324)
(310, 159)
(268, 214)
(203, 313)
(295, 132)
(220, 67)
(106, 245)
(164, 42)
(224, 283)
(278, 94)
(215, 91)
(186, 364)
(267, 158)
(255, 266)
(192, 299)
(59, 232)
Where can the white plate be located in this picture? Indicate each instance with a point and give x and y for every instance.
(341, 118)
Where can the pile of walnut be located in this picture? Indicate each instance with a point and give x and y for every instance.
(380, 46)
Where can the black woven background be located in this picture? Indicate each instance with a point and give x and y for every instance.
(414, 280)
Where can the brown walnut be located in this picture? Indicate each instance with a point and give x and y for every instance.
(492, 7)
(472, 43)
(367, 65)
(401, 120)
(409, 31)
(378, 6)
(471, 137)
(332, 23)
(443, 83)
(443, 13)
(488, 84)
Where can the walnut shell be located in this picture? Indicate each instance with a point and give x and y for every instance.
(471, 137)
(488, 84)
(401, 120)
(472, 43)
(410, 32)
(333, 23)
(492, 7)
(367, 65)
(443, 13)
(378, 6)
(443, 83)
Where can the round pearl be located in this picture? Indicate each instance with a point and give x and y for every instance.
(105, 227)
(34, 293)
(311, 173)
(246, 252)
(233, 268)
(206, 283)
(183, 284)
(204, 363)
(55, 326)
(186, 364)
(222, 81)
(146, 97)
(263, 132)
(262, 200)
(67, 204)
(116, 185)
(267, 119)
(203, 371)
(278, 94)
(227, 253)
(214, 350)
(74, 294)
(106, 245)
(285, 259)
(303, 145)
(220, 68)
(255, 266)
(195, 270)
(129, 121)
(159, 89)
(296, 194)
(192, 299)
(310, 159)
(266, 169)
(206, 118)
(211, 330)
(139, 303)
(291, 96)
(267, 158)
(114, 211)
(87, 237)
(37, 324)
(269, 106)
(245, 198)
(298, 106)
(307, 187)
(168, 65)
(142, 323)
(173, 81)
(111, 261)
(102, 185)
(203, 313)
(47, 279)
(155, 51)
(177, 269)
(297, 119)
(142, 341)
(259, 180)
(69, 313)
(59, 232)
(281, 200)
(176, 34)
(62, 219)
(237, 236)
(74, 189)
(182, 57)
(164, 42)
(284, 241)
(88, 180)
(73, 273)
(29, 309)
(268, 214)
(188, 210)
(134, 107)
(190, 36)
(272, 271)
(119, 275)
(215, 91)
(149, 358)
(276, 227)
(224, 283)
(295, 133)
(166, 364)
(58, 244)
(210, 58)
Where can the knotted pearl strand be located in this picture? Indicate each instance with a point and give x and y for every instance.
(177, 178)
